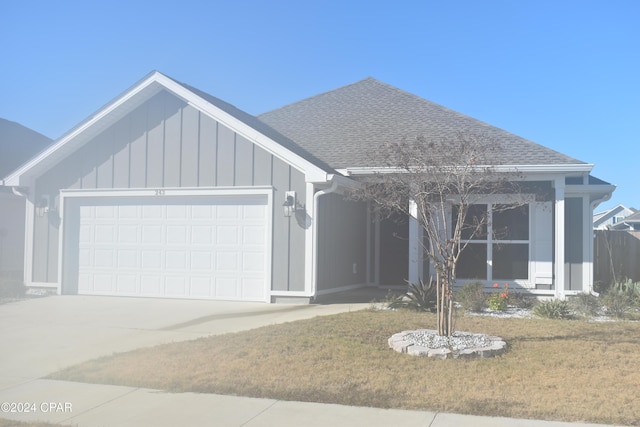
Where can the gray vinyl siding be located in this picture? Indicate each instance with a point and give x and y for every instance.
(167, 143)
(342, 242)
(573, 229)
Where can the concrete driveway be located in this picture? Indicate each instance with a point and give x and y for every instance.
(41, 336)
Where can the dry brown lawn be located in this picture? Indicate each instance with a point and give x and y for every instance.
(554, 370)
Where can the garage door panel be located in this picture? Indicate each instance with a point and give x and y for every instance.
(103, 258)
(151, 234)
(253, 262)
(201, 260)
(126, 284)
(201, 287)
(102, 283)
(176, 260)
(128, 259)
(150, 285)
(227, 287)
(249, 287)
(175, 286)
(104, 234)
(214, 248)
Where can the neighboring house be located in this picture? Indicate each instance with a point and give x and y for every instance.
(170, 192)
(17, 145)
(631, 223)
(609, 218)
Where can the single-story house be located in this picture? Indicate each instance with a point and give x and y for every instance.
(17, 145)
(607, 219)
(168, 191)
(629, 223)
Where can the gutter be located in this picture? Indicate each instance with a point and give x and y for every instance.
(314, 224)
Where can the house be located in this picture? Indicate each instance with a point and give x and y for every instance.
(17, 145)
(631, 223)
(170, 192)
(609, 218)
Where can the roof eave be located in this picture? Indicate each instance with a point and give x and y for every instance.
(553, 169)
(132, 98)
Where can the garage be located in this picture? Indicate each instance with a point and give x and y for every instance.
(200, 246)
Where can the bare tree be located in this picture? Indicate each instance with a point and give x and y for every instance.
(437, 182)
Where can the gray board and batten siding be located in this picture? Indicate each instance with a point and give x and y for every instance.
(165, 143)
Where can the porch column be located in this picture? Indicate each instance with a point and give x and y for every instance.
(587, 245)
(558, 265)
(415, 244)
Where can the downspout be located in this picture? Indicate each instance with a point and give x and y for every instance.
(314, 224)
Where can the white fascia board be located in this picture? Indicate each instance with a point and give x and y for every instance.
(312, 172)
(152, 84)
(554, 169)
(590, 189)
(167, 192)
(146, 83)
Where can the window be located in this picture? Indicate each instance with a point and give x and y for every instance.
(499, 249)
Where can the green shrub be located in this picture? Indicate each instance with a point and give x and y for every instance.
(471, 297)
(584, 304)
(553, 309)
(522, 300)
(618, 302)
(420, 296)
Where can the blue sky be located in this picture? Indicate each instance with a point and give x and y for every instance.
(562, 73)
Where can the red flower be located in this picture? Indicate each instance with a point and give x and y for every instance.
(495, 285)
(503, 295)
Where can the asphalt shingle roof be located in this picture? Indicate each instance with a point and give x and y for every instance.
(17, 145)
(260, 127)
(344, 127)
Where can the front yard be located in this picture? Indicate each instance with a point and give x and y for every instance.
(553, 369)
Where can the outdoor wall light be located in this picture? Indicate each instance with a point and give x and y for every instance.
(43, 205)
(289, 205)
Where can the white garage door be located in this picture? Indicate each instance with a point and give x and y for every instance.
(180, 247)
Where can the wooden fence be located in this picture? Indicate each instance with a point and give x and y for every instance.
(616, 257)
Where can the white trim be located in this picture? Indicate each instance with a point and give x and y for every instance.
(369, 240)
(559, 239)
(552, 168)
(48, 285)
(148, 87)
(309, 241)
(415, 244)
(587, 242)
(174, 192)
(29, 232)
(314, 226)
(376, 246)
(147, 82)
(166, 191)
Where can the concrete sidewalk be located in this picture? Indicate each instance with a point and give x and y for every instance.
(90, 405)
(42, 336)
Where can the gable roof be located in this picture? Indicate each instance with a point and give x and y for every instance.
(344, 127)
(18, 144)
(226, 114)
(602, 217)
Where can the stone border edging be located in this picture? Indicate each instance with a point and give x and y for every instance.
(401, 344)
